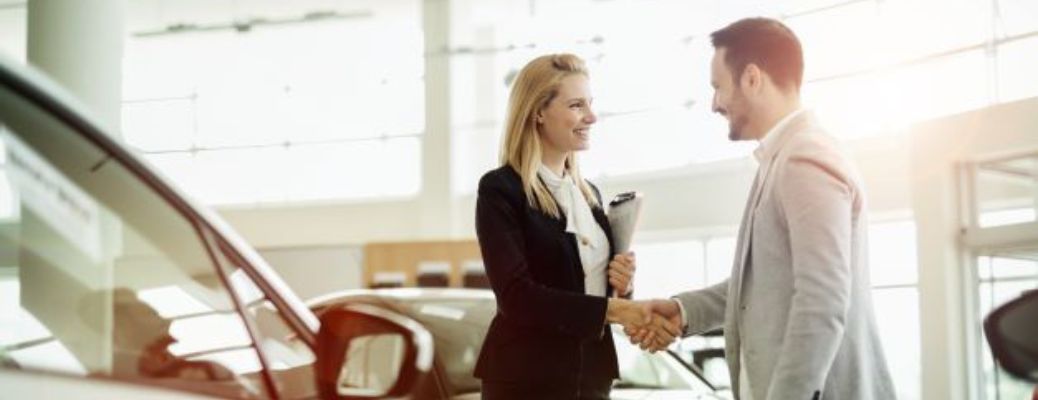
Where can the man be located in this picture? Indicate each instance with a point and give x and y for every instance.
(796, 310)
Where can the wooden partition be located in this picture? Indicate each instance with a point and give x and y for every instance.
(405, 258)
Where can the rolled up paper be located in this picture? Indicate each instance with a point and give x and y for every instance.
(624, 211)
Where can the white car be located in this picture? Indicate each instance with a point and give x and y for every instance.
(114, 285)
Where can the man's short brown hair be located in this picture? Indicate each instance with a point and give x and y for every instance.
(766, 43)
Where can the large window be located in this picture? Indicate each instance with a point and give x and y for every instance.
(655, 96)
(1000, 203)
(311, 109)
(895, 298)
(12, 31)
(665, 268)
(1001, 278)
(872, 67)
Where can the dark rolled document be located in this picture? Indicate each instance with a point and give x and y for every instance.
(624, 212)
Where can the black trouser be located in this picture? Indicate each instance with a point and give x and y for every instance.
(497, 390)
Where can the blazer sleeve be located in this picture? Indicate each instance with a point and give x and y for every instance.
(704, 308)
(817, 197)
(519, 298)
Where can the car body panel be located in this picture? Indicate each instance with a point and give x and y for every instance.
(27, 385)
(463, 315)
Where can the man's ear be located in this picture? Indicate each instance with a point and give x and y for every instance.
(752, 78)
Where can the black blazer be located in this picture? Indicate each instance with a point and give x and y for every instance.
(547, 331)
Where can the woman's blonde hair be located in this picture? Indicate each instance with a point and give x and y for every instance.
(534, 88)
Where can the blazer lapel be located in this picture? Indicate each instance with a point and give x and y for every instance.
(761, 181)
(743, 246)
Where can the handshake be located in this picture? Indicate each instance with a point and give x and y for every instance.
(651, 324)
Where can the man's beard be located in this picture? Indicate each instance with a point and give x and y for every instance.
(737, 122)
(737, 127)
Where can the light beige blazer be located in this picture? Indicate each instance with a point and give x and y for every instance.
(798, 301)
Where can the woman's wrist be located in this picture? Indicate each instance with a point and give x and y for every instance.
(623, 311)
(614, 309)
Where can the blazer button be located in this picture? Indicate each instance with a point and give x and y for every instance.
(584, 241)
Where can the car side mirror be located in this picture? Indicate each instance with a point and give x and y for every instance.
(1012, 333)
(366, 352)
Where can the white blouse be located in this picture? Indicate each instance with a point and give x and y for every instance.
(592, 243)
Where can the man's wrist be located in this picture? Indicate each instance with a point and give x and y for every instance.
(681, 311)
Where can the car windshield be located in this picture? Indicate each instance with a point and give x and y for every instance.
(99, 274)
(105, 274)
(459, 324)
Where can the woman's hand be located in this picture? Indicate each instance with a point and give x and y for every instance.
(621, 273)
(628, 313)
(638, 316)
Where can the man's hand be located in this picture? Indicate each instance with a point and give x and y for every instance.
(663, 332)
(653, 340)
(621, 273)
(657, 331)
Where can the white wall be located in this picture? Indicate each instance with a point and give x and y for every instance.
(315, 270)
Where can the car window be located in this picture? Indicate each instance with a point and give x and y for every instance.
(100, 275)
(288, 358)
(372, 363)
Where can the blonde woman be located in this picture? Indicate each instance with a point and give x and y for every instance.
(547, 247)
